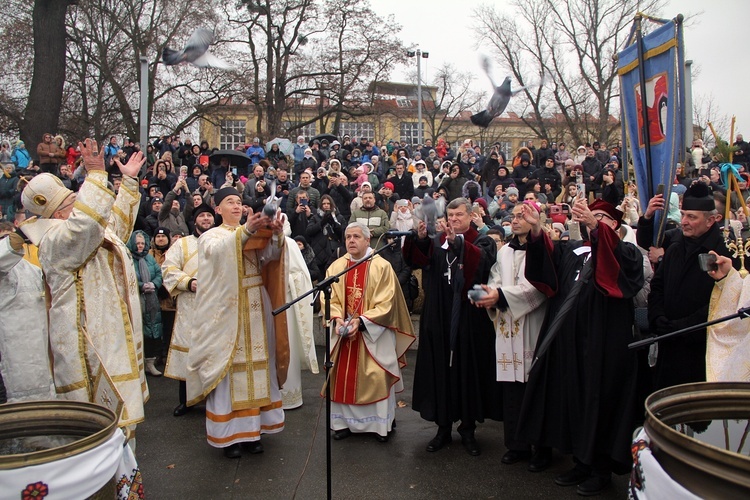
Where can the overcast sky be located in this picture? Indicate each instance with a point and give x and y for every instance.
(713, 40)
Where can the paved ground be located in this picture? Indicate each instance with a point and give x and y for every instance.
(178, 463)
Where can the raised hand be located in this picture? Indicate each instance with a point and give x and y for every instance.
(92, 160)
(654, 204)
(133, 166)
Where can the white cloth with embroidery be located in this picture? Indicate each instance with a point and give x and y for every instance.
(77, 476)
(179, 267)
(517, 327)
(649, 479)
(93, 289)
(23, 328)
(299, 320)
(728, 343)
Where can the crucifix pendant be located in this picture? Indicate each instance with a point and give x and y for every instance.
(447, 274)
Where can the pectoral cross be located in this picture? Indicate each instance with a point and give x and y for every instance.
(505, 362)
(447, 274)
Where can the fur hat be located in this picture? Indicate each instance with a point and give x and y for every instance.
(44, 194)
(697, 197)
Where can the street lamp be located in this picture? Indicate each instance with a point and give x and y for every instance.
(419, 55)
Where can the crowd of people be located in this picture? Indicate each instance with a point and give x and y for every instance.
(178, 234)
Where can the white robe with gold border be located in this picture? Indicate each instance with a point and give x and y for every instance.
(517, 327)
(179, 267)
(299, 325)
(23, 328)
(94, 292)
(728, 343)
(231, 361)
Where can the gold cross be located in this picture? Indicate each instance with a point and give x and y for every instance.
(505, 362)
(516, 362)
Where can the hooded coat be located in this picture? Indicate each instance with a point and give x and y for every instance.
(150, 309)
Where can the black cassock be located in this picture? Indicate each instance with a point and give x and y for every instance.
(462, 388)
(581, 397)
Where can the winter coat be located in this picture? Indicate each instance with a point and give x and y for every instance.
(8, 191)
(20, 158)
(325, 232)
(150, 310)
(453, 186)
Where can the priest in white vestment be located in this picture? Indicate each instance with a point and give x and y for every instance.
(370, 333)
(239, 353)
(24, 345)
(95, 333)
(179, 270)
(299, 319)
(728, 343)
(517, 309)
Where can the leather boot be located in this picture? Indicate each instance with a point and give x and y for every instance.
(150, 367)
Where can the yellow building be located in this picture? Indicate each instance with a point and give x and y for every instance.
(393, 115)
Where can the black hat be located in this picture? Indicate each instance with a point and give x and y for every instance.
(203, 207)
(525, 157)
(698, 197)
(223, 193)
(162, 230)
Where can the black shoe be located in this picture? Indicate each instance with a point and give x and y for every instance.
(253, 447)
(381, 439)
(181, 409)
(233, 451)
(439, 442)
(540, 461)
(341, 434)
(471, 445)
(515, 456)
(594, 485)
(574, 476)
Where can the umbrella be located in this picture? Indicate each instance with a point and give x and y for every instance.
(329, 137)
(236, 158)
(567, 305)
(285, 145)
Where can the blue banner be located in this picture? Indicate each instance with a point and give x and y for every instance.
(662, 72)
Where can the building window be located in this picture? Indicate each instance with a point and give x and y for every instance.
(410, 132)
(232, 133)
(505, 148)
(307, 131)
(357, 129)
(403, 102)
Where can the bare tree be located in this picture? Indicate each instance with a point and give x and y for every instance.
(572, 43)
(357, 57)
(454, 96)
(34, 109)
(108, 38)
(705, 111)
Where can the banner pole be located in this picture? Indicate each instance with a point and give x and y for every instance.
(644, 106)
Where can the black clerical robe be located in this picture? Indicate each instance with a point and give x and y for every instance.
(454, 376)
(581, 397)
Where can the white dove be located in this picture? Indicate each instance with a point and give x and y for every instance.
(195, 52)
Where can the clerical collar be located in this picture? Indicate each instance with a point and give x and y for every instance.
(229, 226)
(368, 252)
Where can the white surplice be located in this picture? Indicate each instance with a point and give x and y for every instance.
(517, 327)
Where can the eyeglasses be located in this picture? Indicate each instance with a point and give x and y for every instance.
(599, 216)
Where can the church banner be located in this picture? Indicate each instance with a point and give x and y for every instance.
(655, 136)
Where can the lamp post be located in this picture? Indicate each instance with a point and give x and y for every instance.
(419, 55)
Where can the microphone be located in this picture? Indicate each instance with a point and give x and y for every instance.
(397, 234)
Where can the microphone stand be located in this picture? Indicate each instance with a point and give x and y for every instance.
(741, 313)
(324, 287)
